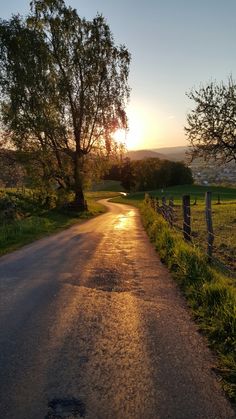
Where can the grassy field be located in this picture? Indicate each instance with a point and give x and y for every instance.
(108, 185)
(37, 222)
(223, 215)
(224, 226)
(197, 192)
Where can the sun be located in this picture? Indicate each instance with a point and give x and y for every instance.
(123, 136)
(132, 137)
(120, 136)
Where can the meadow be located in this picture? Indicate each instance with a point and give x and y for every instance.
(227, 194)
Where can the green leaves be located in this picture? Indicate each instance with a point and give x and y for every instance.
(64, 85)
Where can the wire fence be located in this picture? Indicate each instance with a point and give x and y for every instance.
(205, 225)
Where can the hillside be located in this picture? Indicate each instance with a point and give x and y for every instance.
(173, 153)
(204, 173)
(169, 153)
(143, 154)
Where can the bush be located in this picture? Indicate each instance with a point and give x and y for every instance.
(9, 210)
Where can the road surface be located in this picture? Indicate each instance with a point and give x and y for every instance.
(92, 325)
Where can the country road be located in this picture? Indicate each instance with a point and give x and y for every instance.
(92, 325)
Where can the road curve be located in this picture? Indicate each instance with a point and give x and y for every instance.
(92, 325)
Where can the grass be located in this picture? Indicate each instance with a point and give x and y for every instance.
(224, 224)
(211, 296)
(96, 195)
(224, 217)
(227, 195)
(108, 185)
(40, 222)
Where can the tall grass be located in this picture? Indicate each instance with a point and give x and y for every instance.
(224, 226)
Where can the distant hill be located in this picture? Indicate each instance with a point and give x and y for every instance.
(173, 153)
(144, 154)
(164, 153)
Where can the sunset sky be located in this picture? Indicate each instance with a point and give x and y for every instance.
(175, 45)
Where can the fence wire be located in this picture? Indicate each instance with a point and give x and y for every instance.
(219, 245)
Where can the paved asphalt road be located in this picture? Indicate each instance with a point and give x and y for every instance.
(92, 325)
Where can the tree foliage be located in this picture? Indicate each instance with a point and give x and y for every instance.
(12, 173)
(211, 125)
(64, 87)
(150, 174)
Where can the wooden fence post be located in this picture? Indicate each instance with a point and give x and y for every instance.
(158, 206)
(210, 232)
(152, 201)
(187, 218)
(155, 204)
(164, 212)
(171, 211)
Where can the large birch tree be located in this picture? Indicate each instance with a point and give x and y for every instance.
(64, 89)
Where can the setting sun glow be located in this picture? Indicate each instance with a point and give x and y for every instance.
(149, 130)
(134, 136)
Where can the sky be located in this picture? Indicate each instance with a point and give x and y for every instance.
(175, 45)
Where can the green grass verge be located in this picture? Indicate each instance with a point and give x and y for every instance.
(211, 296)
(43, 223)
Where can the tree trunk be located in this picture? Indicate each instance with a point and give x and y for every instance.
(79, 198)
(79, 203)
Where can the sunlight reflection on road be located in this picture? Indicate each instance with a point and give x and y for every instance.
(124, 221)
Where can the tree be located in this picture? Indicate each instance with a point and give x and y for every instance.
(12, 173)
(127, 174)
(211, 125)
(64, 88)
(180, 174)
(153, 173)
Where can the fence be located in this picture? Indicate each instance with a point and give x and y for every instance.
(213, 230)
